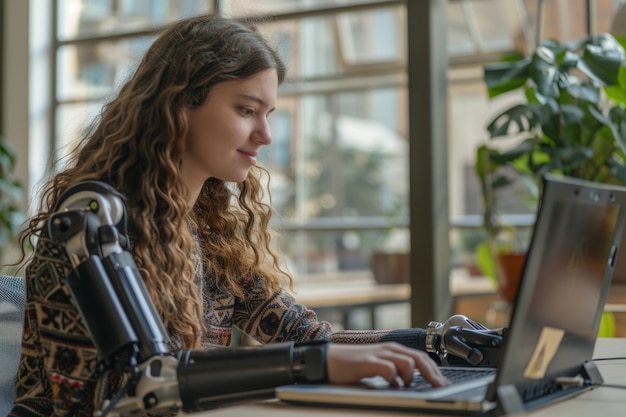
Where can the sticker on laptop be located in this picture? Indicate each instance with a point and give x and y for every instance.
(546, 348)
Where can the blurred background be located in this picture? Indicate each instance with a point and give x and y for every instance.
(377, 125)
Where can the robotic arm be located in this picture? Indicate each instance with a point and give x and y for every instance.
(463, 338)
(90, 223)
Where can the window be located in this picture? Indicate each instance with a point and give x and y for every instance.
(340, 136)
(341, 140)
(98, 44)
(343, 111)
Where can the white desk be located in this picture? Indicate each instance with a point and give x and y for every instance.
(604, 402)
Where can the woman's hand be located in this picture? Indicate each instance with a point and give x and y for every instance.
(347, 364)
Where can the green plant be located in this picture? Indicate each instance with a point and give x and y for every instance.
(572, 122)
(11, 194)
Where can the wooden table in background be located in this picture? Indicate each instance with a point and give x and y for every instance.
(350, 291)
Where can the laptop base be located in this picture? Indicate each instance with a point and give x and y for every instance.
(510, 402)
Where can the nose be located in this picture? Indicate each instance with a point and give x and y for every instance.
(262, 134)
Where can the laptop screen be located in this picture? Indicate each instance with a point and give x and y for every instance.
(571, 271)
(619, 277)
(564, 285)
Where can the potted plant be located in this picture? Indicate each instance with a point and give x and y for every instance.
(11, 194)
(572, 121)
(389, 260)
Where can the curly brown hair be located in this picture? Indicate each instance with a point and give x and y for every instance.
(136, 145)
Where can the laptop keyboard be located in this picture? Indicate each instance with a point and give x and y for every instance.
(454, 375)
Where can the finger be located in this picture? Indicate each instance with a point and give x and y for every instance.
(430, 371)
(479, 338)
(422, 362)
(350, 363)
(476, 325)
(458, 347)
(454, 344)
(390, 369)
(500, 331)
(404, 366)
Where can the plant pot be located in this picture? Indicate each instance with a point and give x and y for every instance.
(509, 273)
(390, 268)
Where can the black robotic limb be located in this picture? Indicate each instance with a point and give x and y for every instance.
(90, 223)
(462, 341)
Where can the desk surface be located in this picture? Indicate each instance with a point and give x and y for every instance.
(603, 401)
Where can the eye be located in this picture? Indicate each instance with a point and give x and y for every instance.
(247, 111)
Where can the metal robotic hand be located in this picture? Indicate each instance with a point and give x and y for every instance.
(465, 339)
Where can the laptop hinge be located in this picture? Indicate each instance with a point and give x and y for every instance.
(591, 372)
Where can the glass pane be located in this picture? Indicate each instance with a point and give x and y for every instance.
(345, 159)
(71, 121)
(340, 147)
(279, 157)
(307, 46)
(477, 27)
(611, 15)
(354, 157)
(459, 36)
(88, 71)
(565, 21)
(82, 18)
(314, 253)
(372, 36)
(339, 156)
(469, 111)
(247, 7)
(496, 33)
(310, 48)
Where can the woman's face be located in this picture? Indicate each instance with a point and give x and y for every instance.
(228, 130)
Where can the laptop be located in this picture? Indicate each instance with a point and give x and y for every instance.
(554, 320)
(619, 277)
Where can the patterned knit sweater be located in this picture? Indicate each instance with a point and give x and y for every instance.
(59, 363)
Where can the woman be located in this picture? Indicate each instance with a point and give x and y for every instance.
(180, 142)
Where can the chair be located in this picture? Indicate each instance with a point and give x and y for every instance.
(12, 299)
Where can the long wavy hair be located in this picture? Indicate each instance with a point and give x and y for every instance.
(136, 145)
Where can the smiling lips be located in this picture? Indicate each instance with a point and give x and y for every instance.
(250, 156)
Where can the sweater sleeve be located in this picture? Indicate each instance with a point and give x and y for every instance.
(57, 356)
(414, 338)
(280, 318)
(277, 318)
